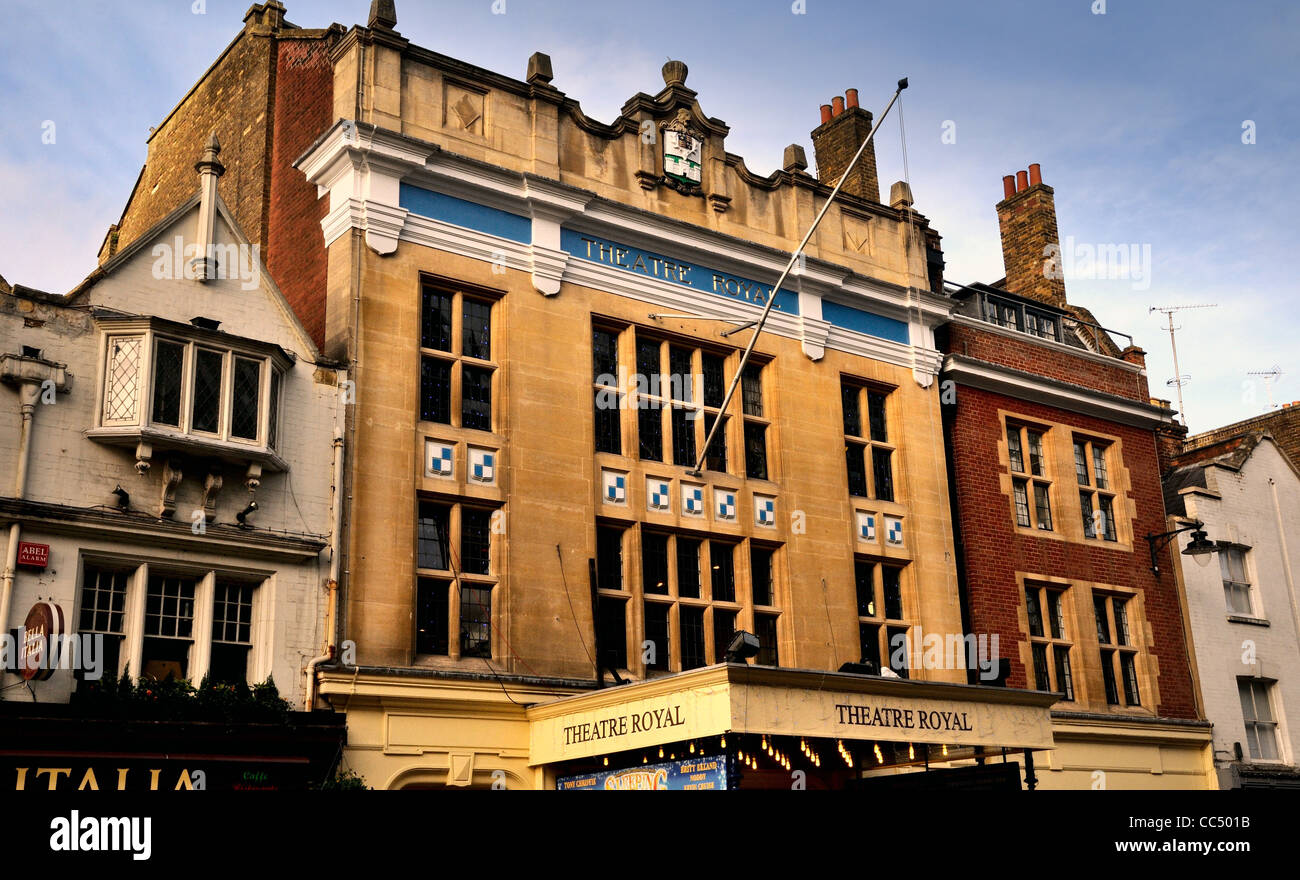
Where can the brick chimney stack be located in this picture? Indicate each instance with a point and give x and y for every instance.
(1030, 240)
(844, 127)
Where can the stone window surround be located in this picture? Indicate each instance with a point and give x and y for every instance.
(133, 619)
(457, 578)
(1089, 689)
(635, 596)
(732, 430)
(1067, 513)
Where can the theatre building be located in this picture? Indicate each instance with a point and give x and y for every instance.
(1056, 485)
(542, 313)
(169, 439)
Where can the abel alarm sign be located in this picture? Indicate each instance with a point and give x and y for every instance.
(33, 555)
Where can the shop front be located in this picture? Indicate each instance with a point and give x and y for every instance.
(732, 726)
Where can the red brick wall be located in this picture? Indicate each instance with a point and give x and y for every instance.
(295, 256)
(994, 551)
(1032, 357)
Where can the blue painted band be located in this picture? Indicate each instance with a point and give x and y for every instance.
(863, 321)
(460, 212)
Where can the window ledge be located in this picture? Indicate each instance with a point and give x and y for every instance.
(1252, 621)
(207, 447)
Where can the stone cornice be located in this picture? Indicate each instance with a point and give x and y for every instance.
(128, 528)
(362, 169)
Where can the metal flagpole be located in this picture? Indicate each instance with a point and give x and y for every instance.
(794, 258)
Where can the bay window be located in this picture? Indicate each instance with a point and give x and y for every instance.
(173, 385)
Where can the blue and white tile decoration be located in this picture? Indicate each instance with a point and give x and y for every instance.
(657, 494)
(765, 511)
(482, 465)
(866, 526)
(692, 500)
(724, 504)
(615, 487)
(893, 530)
(438, 458)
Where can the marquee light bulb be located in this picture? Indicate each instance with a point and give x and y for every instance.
(911, 752)
(724, 742)
(606, 760)
(692, 748)
(661, 751)
(945, 750)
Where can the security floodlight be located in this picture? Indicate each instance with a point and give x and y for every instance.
(244, 514)
(743, 645)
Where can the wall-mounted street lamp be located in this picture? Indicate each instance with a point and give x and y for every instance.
(1200, 549)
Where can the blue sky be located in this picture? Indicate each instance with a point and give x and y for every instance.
(1136, 116)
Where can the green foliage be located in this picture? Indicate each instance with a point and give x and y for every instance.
(345, 780)
(172, 700)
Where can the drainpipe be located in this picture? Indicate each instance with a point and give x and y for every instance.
(333, 583)
(28, 393)
(1286, 557)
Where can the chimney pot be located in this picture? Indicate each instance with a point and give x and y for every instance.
(837, 105)
(850, 98)
(1008, 186)
(826, 113)
(1035, 174)
(1022, 181)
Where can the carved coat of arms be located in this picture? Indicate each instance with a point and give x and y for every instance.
(683, 151)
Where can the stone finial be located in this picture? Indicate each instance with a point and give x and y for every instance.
(383, 14)
(900, 195)
(675, 73)
(209, 160)
(539, 69)
(795, 159)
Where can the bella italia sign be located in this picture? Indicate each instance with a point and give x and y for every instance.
(683, 272)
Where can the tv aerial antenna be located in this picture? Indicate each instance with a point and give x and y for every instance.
(1269, 376)
(1179, 379)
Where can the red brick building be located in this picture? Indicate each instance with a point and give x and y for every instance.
(1055, 476)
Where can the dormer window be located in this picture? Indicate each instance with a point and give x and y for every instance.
(171, 384)
(1025, 318)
